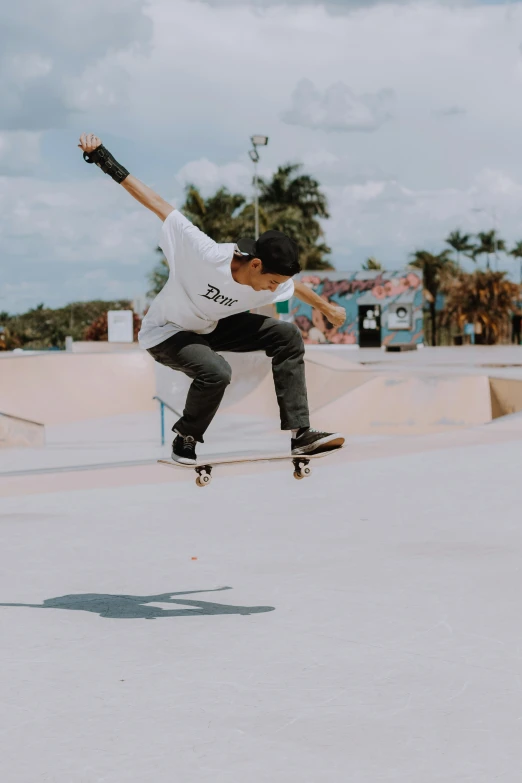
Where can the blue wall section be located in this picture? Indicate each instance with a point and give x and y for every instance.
(353, 289)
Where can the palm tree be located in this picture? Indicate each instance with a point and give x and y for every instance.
(287, 189)
(483, 297)
(159, 275)
(372, 265)
(490, 244)
(437, 271)
(216, 216)
(293, 203)
(460, 243)
(500, 247)
(516, 252)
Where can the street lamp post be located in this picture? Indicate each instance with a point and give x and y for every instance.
(257, 141)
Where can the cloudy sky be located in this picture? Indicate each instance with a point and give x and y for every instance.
(408, 113)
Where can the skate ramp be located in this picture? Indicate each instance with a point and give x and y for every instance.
(251, 374)
(345, 396)
(252, 388)
(20, 433)
(325, 358)
(510, 423)
(55, 388)
(395, 405)
(506, 396)
(506, 402)
(329, 379)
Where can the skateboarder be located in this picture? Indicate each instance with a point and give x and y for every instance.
(204, 308)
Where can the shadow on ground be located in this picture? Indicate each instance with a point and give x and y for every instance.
(136, 607)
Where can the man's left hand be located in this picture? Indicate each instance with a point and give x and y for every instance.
(89, 142)
(336, 315)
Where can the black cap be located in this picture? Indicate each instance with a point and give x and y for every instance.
(277, 251)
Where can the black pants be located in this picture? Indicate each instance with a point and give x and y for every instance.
(195, 355)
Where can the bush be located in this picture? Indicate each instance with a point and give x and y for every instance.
(42, 327)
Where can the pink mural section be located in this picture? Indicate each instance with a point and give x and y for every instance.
(389, 302)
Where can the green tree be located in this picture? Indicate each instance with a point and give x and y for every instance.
(8, 340)
(461, 243)
(159, 275)
(490, 244)
(372, 265)
(43, 327)
(217, 216)
(294, 203)
(291, 202)
(437, 271)
(224, 217)
(483, 297)
(516, 252)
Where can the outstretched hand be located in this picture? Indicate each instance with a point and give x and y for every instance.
(336, 315)
(89, 142)
(95, 152)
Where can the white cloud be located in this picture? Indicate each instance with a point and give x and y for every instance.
(332, 169)
(451, 111)
(335, 6)
(17, 297)
(208, 176)
(390, 220)
(45, 47)
(83, 222)
(96, 274)
(19, 151)
(103, 85)
(338, 108)
(72, 241)
(179, 88)
(24, 68)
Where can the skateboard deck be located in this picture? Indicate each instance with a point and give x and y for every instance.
(203, 466)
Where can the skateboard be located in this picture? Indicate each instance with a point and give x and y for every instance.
(203, 467)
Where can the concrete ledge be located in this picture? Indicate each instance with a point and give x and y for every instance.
(18, 432)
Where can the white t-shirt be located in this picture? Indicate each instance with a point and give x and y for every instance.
(200, 289)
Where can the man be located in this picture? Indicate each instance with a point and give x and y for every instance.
(204, 308)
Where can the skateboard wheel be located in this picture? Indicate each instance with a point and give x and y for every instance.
(306, 471)
(298, 475)
(203, 480)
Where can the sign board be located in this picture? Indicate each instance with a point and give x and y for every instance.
(120, 326)
(139, 304)
(399, 317)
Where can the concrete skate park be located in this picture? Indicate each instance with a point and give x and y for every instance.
(361, 625)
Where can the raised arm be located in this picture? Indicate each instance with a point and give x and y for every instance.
(95, 152)
(335, 314)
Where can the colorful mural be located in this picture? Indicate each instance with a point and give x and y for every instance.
(396, 298)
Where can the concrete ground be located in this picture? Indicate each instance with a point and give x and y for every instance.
(362, 625)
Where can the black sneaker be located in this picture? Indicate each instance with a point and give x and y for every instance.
(309, 441)
(184, 450)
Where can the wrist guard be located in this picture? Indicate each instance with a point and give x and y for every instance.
(107, 163)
